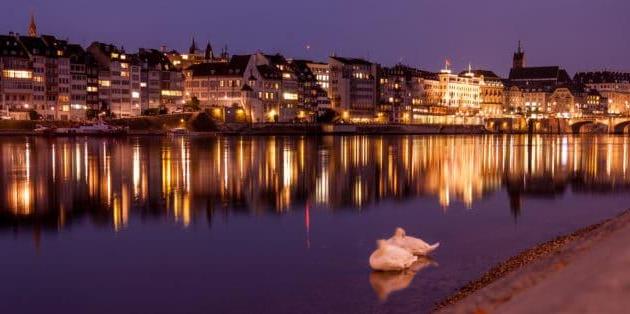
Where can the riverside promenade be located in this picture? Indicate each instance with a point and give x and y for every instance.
(588, 274)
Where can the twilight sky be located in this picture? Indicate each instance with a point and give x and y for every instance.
(577, 34)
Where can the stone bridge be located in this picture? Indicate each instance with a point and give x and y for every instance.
(614, 125)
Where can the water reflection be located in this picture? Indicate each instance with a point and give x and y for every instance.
(386, 283)
(49, 183)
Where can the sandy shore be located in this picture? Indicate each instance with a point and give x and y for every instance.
(548, 277)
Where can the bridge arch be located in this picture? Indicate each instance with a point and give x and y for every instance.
(579, 126)
(622, 127)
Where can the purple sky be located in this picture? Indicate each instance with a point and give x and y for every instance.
(577, 34)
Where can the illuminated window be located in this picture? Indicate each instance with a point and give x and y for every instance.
(135, 95)
(124, 74)
(114, 55)
(289, 96)
(143, 84)
(171, 93)
(17, 74)
(104, 83)
(92, 89)
(124, 65)
(65, 108)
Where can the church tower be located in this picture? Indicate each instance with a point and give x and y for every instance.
(519, 58)
(32, 27)
(209, 53)
(193, 47)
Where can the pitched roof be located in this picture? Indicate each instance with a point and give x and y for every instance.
(602, 77)
(487, 75)
(9, 46)
(406, 71)
(276, 59)
(215, 68)
(37, 46)
(539, 73)
(351, 61)
(269, 72)
(154, 59)
(240, 61)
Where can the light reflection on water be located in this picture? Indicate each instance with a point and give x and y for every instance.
(122, 184)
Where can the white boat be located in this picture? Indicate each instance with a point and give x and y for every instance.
(178, 132)
(92, 129)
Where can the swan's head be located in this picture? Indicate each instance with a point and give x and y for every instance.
(381, 243)
(400, 232)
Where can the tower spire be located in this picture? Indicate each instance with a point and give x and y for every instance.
(32, 27)
(193, 47)
(518, 61)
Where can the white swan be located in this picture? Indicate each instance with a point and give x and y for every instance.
(390, 257)
(413, 245)
(385, 283)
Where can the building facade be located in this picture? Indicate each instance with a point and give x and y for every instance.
(614, 86)
(161, 84)
(353, 88)
(401, 91)
(119, 80)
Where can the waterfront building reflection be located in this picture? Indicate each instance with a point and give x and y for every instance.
(49, 182)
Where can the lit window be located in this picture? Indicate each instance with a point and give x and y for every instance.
(171, 93)
(289, 96)
(135, 94)
(104, 83)
(17, 74)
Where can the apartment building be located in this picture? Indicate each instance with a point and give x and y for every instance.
(614, 86)
(16, 81)
(401, 89)
(353, 88)
(119, 80)
(161, 84)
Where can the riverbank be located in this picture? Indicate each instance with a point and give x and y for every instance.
(202, 123)
(583, 272)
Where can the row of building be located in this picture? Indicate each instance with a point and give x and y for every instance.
(50, 78)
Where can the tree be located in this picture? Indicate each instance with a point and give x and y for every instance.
(192, 105)
(33, 115)
(202, 122)
(327, 116)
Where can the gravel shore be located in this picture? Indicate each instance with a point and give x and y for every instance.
(527, 269)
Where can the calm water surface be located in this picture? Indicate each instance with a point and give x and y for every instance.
(282, 224)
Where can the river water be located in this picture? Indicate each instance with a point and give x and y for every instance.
(282, 224)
